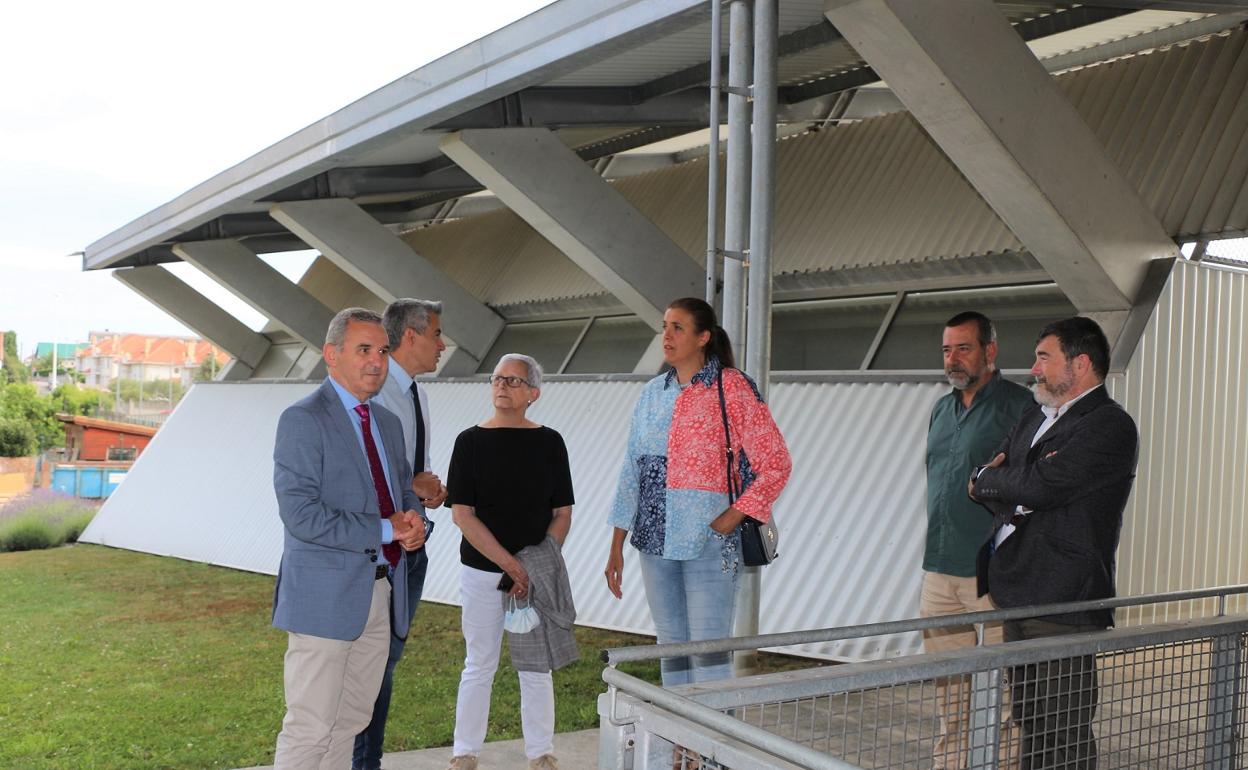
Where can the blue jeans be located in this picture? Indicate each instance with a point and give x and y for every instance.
(367, 753)
(691, 601)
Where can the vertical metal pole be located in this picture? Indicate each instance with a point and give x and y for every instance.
(762, 215)
(712, 158)
(1222, 709)
(737, 176)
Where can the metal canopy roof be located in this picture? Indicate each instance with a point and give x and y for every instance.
(608, 75)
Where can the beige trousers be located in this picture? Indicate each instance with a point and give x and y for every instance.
(949, 595)
(331, 686)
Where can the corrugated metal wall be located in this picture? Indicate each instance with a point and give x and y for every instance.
(881, 193)
(1187, 387)
(852, 516)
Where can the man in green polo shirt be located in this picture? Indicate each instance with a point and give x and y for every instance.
(966, 426)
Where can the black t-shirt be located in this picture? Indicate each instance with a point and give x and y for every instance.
(513, 478)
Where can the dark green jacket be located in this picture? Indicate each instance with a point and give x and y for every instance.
(958, 439)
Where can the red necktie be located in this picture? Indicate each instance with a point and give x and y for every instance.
(391, 550)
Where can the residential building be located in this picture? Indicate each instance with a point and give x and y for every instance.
(109, 356)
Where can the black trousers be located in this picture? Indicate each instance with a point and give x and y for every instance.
(1054, 702)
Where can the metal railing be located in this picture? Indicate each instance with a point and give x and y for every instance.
(1167, 695)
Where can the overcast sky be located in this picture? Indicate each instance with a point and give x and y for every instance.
(108, 110)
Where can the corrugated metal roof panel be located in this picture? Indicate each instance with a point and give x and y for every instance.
(500, 259)
(879, 192)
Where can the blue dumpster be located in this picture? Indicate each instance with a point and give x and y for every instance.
(65, 479)
(86, 481)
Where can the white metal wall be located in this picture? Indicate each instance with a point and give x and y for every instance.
(1187, 523)
(852, 516)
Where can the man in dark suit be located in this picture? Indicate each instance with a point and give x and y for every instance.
(414, 329)
(1057, 488)
(343, 485)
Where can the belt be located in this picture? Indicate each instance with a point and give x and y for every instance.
(383, 570)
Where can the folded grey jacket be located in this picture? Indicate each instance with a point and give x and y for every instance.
(551, 645)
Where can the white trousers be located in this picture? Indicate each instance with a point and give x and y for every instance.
(482, 621)
(331, 686)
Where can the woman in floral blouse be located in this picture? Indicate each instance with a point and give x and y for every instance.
(673, 490)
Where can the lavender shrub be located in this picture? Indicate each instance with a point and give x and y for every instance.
(43, 519)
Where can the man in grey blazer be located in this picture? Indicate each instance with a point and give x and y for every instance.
(414, 331)
(1057, 489)
(343, 489)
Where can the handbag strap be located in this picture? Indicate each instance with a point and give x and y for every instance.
(723, 412)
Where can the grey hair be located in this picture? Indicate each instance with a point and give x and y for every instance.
(534, 368)
(337, 331)
(406, 313)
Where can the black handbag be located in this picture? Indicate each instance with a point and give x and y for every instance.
(758, 540)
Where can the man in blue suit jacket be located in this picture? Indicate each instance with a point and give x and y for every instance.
(335, 458)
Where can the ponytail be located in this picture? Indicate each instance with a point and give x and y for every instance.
(721, 347)
(704, 320)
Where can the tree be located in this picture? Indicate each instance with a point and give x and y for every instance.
(13, 370)
(17, 439)
(71, 399)
(207, 371)
(23, 403)
(42, 367)
(155, 390)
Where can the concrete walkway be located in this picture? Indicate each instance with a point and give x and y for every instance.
(575, 751)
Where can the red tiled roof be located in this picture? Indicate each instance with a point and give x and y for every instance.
(119, 427)
(139, 348)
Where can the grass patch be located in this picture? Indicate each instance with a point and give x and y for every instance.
(114, 659)
(43, 519)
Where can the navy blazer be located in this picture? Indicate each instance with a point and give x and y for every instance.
(329, 508)
(1076, 480)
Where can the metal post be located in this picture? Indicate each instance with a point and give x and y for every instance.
(1221, 727)
(762, 215)
(712, 158)
(737, 185)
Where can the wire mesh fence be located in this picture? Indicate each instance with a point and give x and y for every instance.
(1151, 707)
(1168, 696)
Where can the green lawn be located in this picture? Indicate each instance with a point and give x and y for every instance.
(115, 659)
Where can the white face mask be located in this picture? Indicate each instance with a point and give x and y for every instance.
(520, 620)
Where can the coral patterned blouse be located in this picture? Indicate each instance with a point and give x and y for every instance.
(673, 482)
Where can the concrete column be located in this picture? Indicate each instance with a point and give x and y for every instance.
(562, 198)
(167, 292)
(249, 278)
(971, 82)
(367, 251)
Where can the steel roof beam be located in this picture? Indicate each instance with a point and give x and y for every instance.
(385, 265)
(1011, 131)
(252, 280)
(169, 293)
(564, 200)
(607, 106)
(1031, 29)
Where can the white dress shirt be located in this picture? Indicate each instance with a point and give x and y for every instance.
(1051, 416)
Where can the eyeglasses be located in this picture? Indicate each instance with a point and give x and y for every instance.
(506, 381)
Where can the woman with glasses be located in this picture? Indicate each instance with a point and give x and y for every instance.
(673, 488)
(509, 487)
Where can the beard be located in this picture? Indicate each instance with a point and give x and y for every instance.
(1052, 394)
(961, 379)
